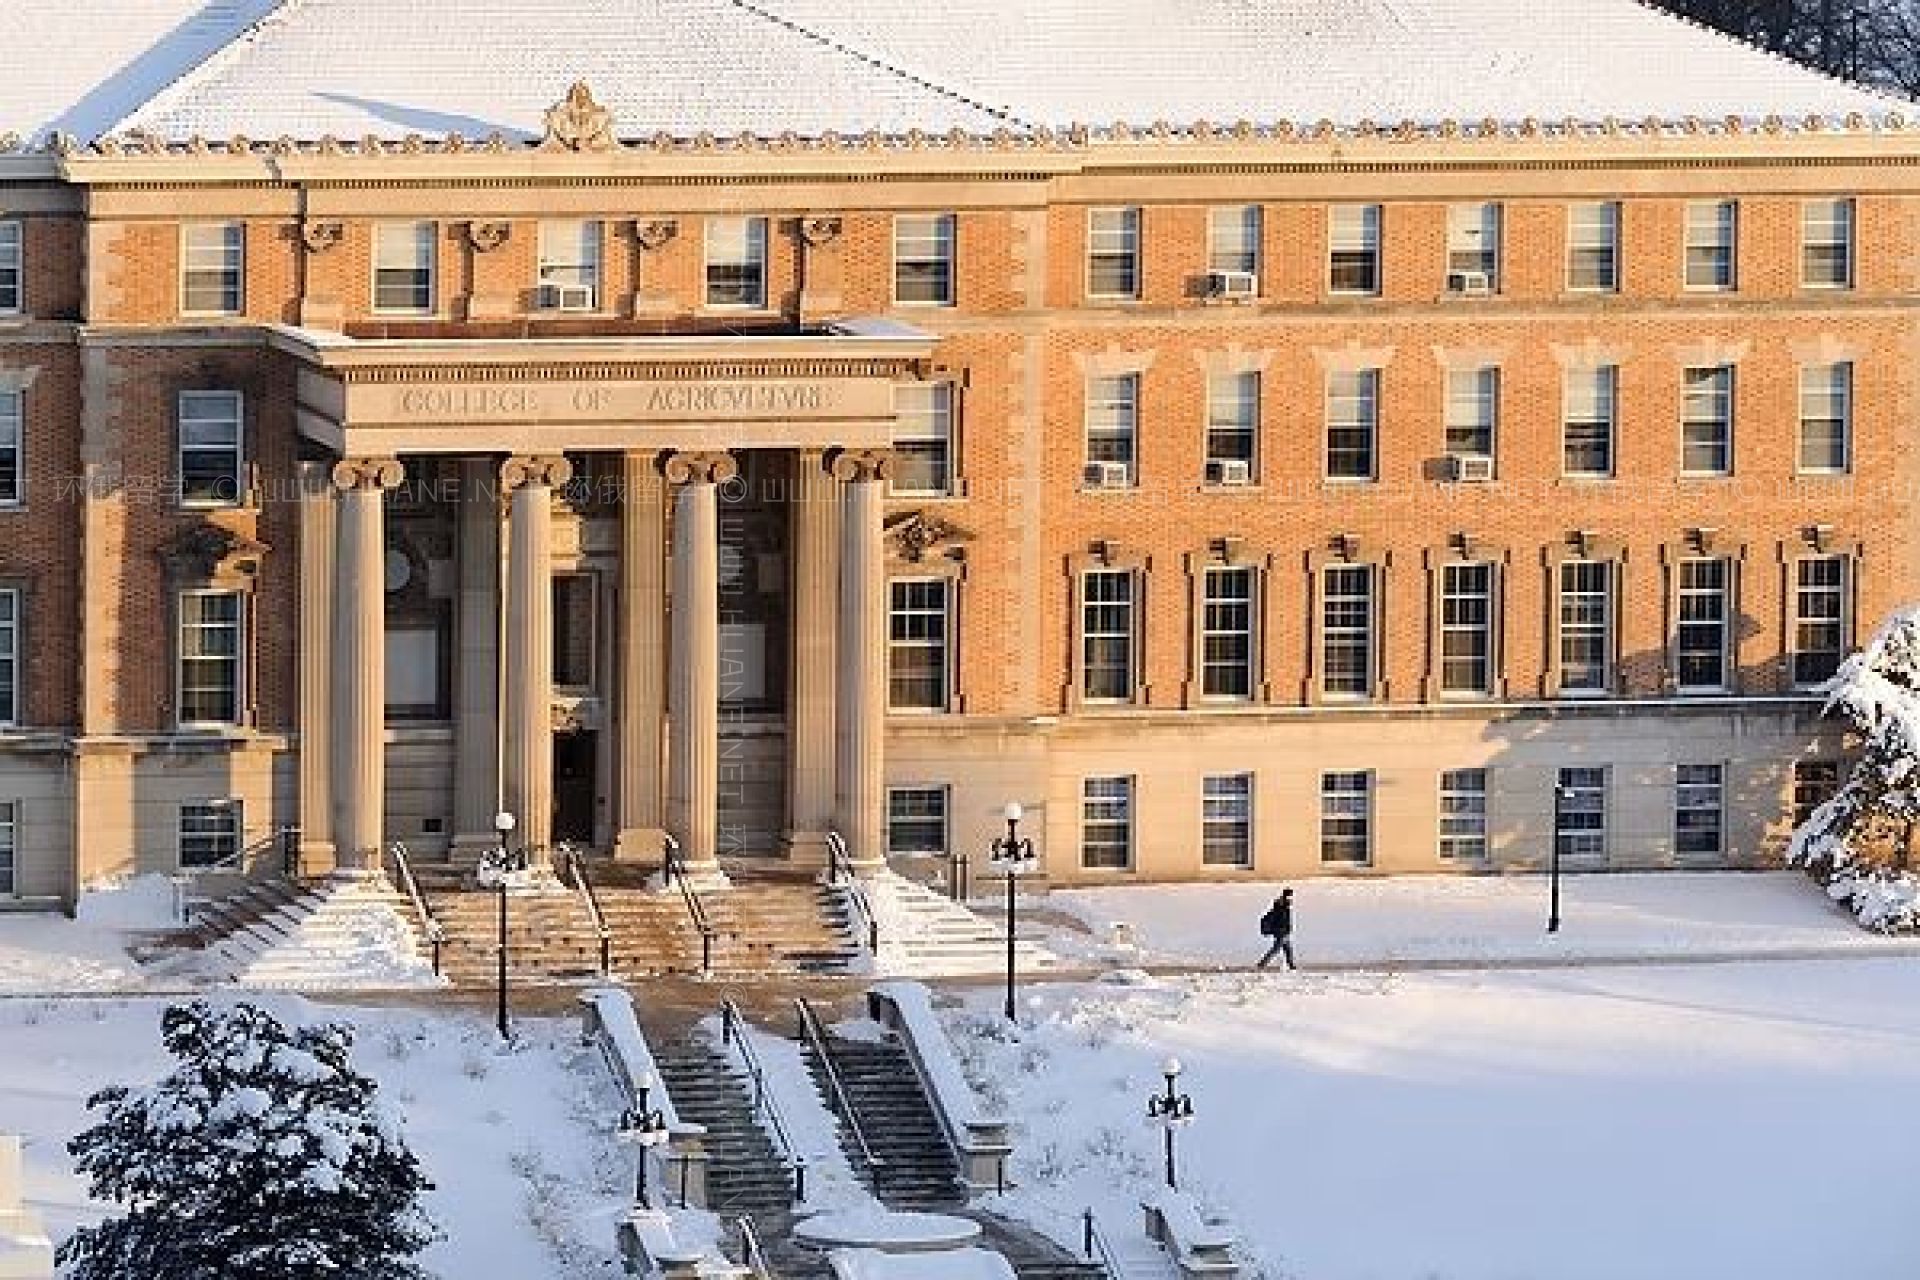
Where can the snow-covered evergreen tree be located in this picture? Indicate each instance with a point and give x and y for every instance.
(1861, 841)
(263, 1156)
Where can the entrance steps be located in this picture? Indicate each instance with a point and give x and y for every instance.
(926, 934)
(340, 934)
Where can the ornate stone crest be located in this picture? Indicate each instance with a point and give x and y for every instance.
(578, 123)
(653, 233)
(319, 237)
(485, 237)
(820, 230)
(207, 550)
(917, 533)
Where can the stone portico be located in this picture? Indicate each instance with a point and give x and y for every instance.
(678, 430)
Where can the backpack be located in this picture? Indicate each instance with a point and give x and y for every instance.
(1270, 922)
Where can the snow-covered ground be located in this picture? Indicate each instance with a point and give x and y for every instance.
(44, 952)
(529, 1178)
(1468, 920)
(1724, 1122)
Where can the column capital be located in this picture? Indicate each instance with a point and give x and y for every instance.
(522, 469)
(699, 467)
(859, 466)
(368, 473)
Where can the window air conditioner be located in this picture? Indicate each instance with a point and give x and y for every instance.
(1105, 475)
(1474, 284)
(1233, 472)
(1472, 468)
(1232, 284)
(563, 297)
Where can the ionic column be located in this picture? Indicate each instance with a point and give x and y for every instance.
(693, 752)
(861, 694)
(815, 538)
(642, 693)
(319, 523)
(360, 660)
(527, 755)
(476, 663)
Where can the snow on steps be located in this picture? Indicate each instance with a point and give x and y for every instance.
(346, 933)
(923, 934)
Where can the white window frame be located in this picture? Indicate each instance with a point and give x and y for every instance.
(1231, 621)
(13, 447)
(1828, 225)
(1839, 376)
(1593, 236)
(1113, 421)
(1831, 619)
(1233, 414)
(1113, 246)
(1699, 789)
(1355, 632)
(227, 259)
(1473, 241)
(1473, 410)
(1577, 626)
(923, 253)
(1455, 621)
(570, 253)
(1346, 796)
(1462, 831)
(1353, 416)
(1226, 819)
(191, 414)
(1233, 238)
(1107, 804)
(1707, 418)
(923, 429)
(1814, 782)
(1354, 249)
(1601, 385)
(236, 663)
(233, 813)
(1124, 636)
(1703, 609)
(901, 615)
(13, 274)
(1711, 252)
(415, 251)
(12, 659)
(1581, 800)
(944, 817)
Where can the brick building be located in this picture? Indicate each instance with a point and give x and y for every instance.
(806, 423)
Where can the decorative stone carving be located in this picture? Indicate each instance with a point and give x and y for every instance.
(699, 467)
(654, 233)
(319, 237)
(1346, 546)
(485, 237)
(206, 550)
(368, 473)
(820, 230)
(859, 466)
(519, 471)
(917, 532)
(578, 123)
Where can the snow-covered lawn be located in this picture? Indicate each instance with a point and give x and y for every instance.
(530, 1181)
(46, 952)
(1464, 920)
(1740, 1121)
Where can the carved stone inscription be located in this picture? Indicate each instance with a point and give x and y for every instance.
(746, 399)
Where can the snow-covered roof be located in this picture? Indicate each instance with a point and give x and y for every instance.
(309, 68)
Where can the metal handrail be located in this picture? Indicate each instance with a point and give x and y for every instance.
(841, 875)
(576, 868)
(959, 876)
(674, 870)
(1094, 1246)
(750, 1251)
(286, 838)
(814, 1033)
(733, 1034)
(429, 923)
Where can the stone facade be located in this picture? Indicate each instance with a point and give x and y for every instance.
(428, 470)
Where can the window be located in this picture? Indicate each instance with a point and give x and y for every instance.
(1113, 413)
(1586, 626)
(923, 438)
(1593, 247)
(1700, 647)
(1463, 815)
(1353, 242)
(1711, 236)
(1473, 403)
(1106, 824)
(1819, 600)
(9, 849)
(209, 832)
(1233, 239)
(1698, 805)
(1226, 633)
(574, 609)
(1113, 253)
(403, 260)
(1346, 817)
(212, 258)
(1587, 426)
(1353, 408)
(923, 259)
(1580, 813)
(1346, 631)
(10, 269)
(1814, 783)
(1106, 626)
(1466, 628)
(1233, 421)
(1826, 417)
(12, 446)
(1226, 820)
(209, 654)
(1826, 244)
(211, 466)
(570, 261)
(1706, 421)
(917, 645)
(916, 821)
(1473, 247)
(9, 656)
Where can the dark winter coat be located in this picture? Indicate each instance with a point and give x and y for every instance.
(1278, 922)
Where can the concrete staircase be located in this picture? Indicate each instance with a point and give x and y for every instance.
(926, 934)
(344, 933)
(913, 1166)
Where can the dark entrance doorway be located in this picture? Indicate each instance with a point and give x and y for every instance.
(573, 785)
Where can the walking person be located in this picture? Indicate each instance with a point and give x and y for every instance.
(1278, 925)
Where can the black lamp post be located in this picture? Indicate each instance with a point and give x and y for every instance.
(495, 871)
(1553, 857)
(645, 1127)
(1012, 855)
(1172, 1109)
